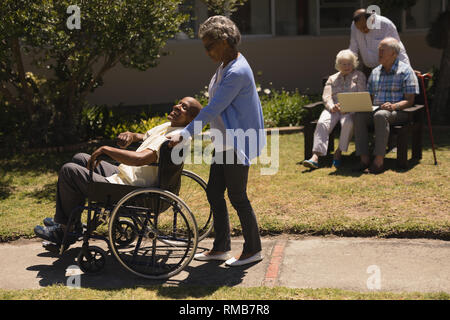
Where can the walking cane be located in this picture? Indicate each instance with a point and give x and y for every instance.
(422, 78)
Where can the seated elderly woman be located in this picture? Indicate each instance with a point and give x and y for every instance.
(348, 79)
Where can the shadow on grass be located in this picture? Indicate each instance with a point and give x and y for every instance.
(34, 164)
(5, 186)
(47, 193)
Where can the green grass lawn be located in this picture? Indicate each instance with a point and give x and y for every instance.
(409, 203)
(209, 293)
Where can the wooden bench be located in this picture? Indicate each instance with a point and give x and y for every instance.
(399, 134)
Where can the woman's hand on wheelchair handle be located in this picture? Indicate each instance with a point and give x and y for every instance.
(174, 140)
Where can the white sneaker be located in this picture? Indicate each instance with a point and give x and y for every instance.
(233, 262)
(218, 257)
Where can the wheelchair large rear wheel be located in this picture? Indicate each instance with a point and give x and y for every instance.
(165, 233)
(193, 193)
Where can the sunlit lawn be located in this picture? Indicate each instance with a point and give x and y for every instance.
(411, 203)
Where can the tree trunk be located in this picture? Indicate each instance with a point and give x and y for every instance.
(440, 107)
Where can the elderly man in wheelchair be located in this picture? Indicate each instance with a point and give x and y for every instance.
(133, 197)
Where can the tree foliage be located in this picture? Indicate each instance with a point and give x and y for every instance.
(47, 70)
(439, 37)
(224, 7)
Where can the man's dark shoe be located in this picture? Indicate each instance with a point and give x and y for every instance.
(375, 169)
(49, 222)
(361, 167)
(55, 234)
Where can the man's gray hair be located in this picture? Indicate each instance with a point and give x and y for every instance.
(220, 28)
(392, 43)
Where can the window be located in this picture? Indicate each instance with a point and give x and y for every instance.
(337, 14)
(291, 17)
(254, 17)
(311, 17)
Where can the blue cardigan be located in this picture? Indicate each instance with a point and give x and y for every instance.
(237, 102)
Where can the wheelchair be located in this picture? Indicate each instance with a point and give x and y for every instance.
(152, 232)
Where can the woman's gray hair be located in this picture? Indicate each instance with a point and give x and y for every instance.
(346, 55)
(220, 28)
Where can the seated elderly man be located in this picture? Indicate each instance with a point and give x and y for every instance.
(134, 169)
(393, 86)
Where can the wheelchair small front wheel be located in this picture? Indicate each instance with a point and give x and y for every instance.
(91, 260)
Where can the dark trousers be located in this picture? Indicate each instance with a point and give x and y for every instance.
(233, 178)
(72, 187)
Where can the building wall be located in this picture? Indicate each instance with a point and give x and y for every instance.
(287, 62)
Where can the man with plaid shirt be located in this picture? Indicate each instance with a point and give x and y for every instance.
(393, 86)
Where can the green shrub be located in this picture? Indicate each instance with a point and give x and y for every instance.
(283, 108)
(142, 126)
(280, 108)
(106, 122)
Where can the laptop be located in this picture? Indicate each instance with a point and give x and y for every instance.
(356, 102)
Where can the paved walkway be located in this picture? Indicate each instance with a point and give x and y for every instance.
(359, 264)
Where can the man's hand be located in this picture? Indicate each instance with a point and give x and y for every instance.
(93, 162)
(125, 139)
(174, 139)
(388, 106)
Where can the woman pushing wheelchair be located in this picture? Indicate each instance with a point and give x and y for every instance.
(234, 105)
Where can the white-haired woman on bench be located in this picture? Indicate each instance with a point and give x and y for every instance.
(348, 79)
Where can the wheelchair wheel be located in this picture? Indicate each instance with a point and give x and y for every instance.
(92, 260)
(166, 233)
(193, 193)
